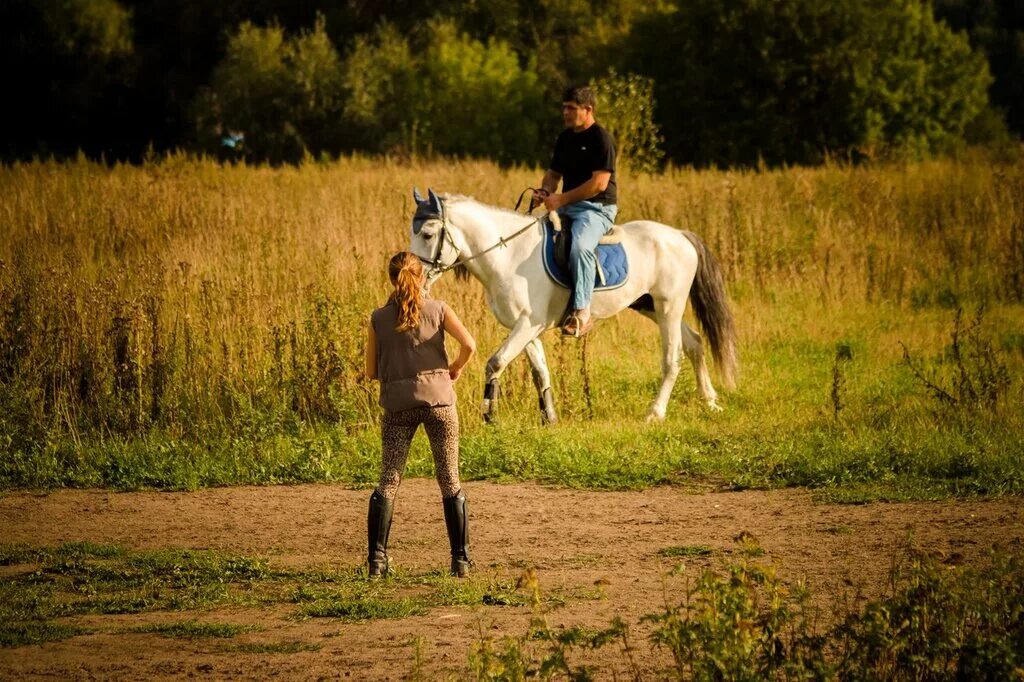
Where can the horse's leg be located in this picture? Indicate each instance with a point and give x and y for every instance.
(669, 316)
(693, 346)
(542, 380)
(523, 333)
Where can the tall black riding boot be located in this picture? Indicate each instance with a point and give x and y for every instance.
(378, 527)
(458, 533)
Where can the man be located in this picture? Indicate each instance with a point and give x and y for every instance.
(584, 160)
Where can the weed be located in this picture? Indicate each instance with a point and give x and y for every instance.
(843, 355)
(980, 378)
(14, 634)
(152, 336)
(191, 629)
(273, 648)
(741, 622)
(360, 608)
(688, 551)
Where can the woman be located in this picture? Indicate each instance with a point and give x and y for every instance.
(405, 351)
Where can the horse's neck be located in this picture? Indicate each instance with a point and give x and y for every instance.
(484, 227)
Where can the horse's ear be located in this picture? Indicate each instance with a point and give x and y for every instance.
(435, 201)
(417, 197)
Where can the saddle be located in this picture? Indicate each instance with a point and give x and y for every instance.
(563, 238)
(612, 268)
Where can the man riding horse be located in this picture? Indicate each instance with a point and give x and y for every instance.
(584, 160)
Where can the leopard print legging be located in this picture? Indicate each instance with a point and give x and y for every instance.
(397, 430)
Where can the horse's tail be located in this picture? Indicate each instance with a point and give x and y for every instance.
(708, 298)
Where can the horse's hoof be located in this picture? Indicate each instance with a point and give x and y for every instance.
(654, 417)
(715, 407)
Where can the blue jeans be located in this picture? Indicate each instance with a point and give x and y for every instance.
(590, 222)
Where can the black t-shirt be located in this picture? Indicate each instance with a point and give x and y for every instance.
(578, 155)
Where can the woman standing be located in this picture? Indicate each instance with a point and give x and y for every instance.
(405, 351)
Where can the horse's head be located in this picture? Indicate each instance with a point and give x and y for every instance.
(431, 239)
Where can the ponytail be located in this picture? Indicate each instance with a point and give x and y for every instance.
(406, 274)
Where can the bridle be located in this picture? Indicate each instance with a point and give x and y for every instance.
(435, 267)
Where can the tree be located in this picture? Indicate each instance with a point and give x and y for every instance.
(997, 28)
(459, 96)
(625, 106)
(70, 64)
(272, 97)
(790, 80)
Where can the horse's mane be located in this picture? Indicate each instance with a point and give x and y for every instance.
(456, 199)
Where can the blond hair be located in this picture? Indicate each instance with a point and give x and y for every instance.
(406, 273)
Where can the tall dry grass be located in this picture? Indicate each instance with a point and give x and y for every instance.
(204, 301)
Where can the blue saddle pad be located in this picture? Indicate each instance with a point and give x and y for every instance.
(610, 257)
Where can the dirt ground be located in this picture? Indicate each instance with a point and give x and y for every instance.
(573, 538)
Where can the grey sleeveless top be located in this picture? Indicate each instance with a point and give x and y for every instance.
(412, 366)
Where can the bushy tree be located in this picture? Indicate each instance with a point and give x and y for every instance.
(917, 84)
(997, 28)
(790, 80)
(474, 98)
(379, 74)
(273, 97)
(458, 96)
(68, 65)
(625, 106)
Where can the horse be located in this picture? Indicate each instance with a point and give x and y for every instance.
(502, 249)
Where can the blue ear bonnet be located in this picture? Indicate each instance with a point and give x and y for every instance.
(426, 209)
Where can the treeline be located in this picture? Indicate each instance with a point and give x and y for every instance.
(700, 81)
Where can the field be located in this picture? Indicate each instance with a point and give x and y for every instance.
(183, 325)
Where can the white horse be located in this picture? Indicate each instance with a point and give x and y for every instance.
(502, 249)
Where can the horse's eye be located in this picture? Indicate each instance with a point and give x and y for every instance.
(427, 237)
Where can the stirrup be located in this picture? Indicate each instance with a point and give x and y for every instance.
(576, 329)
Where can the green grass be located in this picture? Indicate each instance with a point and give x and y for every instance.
(15, 634)
(741, 621)
(352, 609)
(687, 551)
(226, 348)
(273, 648)
(76, 579)
(191, 629)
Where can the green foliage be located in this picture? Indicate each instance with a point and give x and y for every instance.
(284, 95)
(626, 109)
(544, 652)
(379, 74)
(980, 378)
(917, 84)
(789, 81)
(937, 622)
(458, 96)
(20, 634)
(97, 29)
(41, 586)
(274, 647)
(686, 551)
(351, 609)
(997, 28)
(743, 625)
(192, 629)
(151, 342)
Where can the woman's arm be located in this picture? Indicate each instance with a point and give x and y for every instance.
(370, 368)
(467, 344)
